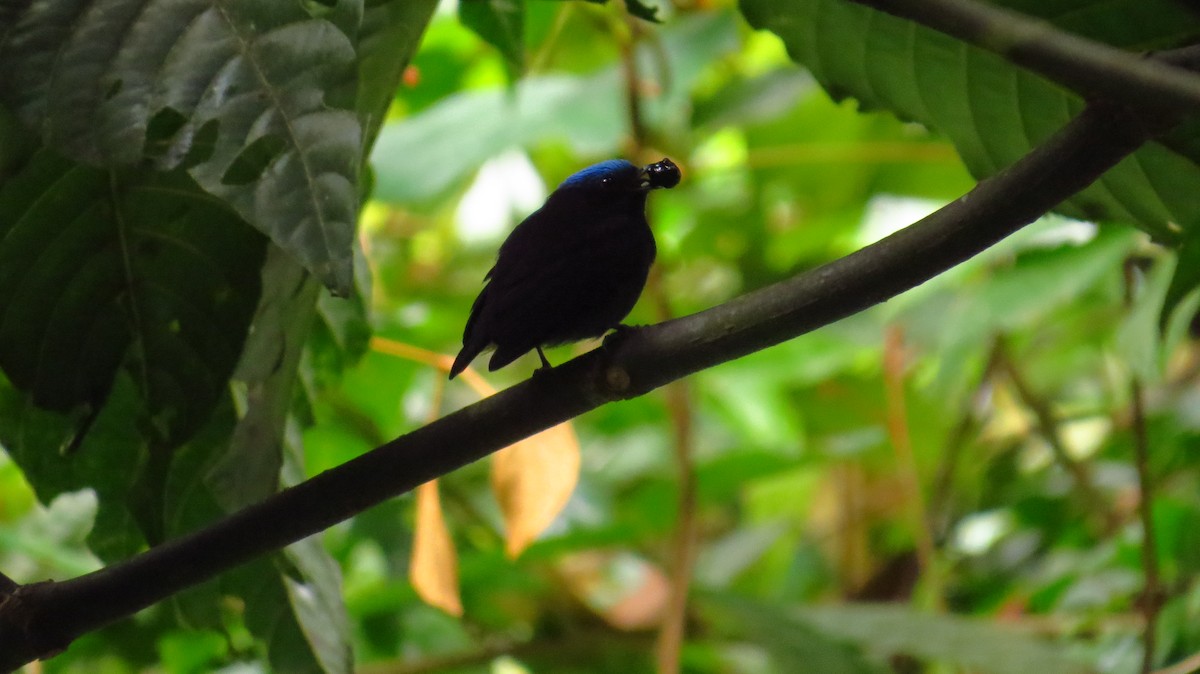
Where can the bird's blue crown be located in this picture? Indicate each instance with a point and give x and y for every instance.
(595, 173)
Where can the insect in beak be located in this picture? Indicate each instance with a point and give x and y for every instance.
(663, 174)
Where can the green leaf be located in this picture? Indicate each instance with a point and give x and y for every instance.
(1140, 337)
(1184, 282)
(993, 111)
(240, 93)
(390, 33)
(501, 23)
(109, 459)
(136, 269)
(636, 8)
(642, 10)
(50, 541)
(247, 471)
(794, 645)
(889, 629)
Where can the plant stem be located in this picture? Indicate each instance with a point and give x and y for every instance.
(1152, 591)
(1151, 595)
(906, 462)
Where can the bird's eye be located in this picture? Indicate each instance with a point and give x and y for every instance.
(605, 181)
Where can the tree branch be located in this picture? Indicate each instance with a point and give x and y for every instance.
(1090, 68)
(45, 617)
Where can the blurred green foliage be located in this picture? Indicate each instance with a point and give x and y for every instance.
(1016, 375)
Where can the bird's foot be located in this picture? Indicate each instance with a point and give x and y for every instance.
(619, 333)
(546, 366)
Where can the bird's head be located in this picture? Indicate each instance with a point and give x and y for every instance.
(618, 175)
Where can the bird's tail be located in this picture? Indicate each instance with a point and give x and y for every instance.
(464, 358)
(473, 340)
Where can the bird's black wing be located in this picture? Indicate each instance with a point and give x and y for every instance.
(527, 249)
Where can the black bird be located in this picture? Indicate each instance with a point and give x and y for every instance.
(571, 270)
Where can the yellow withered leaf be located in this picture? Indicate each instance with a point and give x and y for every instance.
(533, 480)
(433, 569)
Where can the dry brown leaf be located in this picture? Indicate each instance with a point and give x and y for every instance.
(533, 480)
(433, 570)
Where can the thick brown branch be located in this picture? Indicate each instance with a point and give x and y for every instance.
(46, 617)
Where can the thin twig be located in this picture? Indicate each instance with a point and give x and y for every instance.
(1152, 592)
(542, 57)
(1151, 595)
(898, 432)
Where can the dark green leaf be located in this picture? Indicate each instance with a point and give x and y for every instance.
(139, 269)
(253, 88)
(642, 10)
(108, 460)
(1184, 282)
(636, 8)
(248, 470)
(1141, 335)
(501, 23)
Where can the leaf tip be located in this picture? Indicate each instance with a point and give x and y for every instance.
(338, 276)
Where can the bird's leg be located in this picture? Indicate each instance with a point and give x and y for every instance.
(545, 363)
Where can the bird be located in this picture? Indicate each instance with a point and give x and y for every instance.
(571, 270)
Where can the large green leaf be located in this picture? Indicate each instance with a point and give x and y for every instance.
(240, 93)
(502, 24)
(137, 269)
(993, 111)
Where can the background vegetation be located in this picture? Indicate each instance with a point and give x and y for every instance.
(949, 482)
